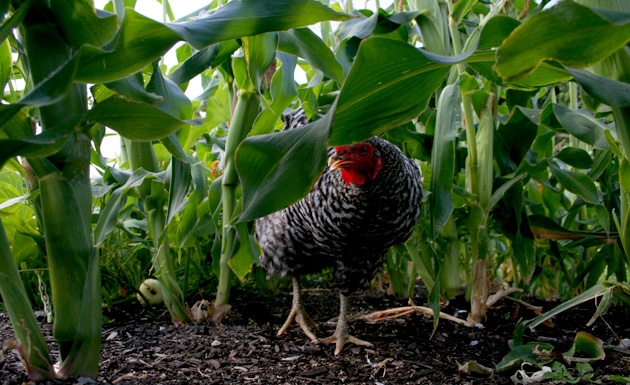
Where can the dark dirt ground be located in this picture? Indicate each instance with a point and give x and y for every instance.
(143, 347)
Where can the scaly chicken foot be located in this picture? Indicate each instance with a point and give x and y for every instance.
(341, 335)
(298, 314)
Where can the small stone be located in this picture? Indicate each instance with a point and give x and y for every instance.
(111, 336)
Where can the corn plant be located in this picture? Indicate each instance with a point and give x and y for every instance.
(63, 46)
(527, 189)
(509, 125)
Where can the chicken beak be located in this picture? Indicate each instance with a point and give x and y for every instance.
(335, 162)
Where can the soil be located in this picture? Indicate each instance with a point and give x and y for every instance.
(142, 346)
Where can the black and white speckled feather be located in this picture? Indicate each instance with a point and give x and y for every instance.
(343, 225)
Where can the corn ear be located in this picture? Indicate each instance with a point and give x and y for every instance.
(485, 140)
(69, 248)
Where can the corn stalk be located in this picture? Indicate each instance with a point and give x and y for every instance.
(62, 55)
(66, 200)
(242, 121)
(479, 174)
(152, 193)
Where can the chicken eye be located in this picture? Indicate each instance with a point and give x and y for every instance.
(363, 150)
(342, 152)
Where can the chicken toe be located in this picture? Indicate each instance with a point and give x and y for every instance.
(299, 315)
(341, 336)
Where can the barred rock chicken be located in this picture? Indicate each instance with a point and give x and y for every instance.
(367, 199)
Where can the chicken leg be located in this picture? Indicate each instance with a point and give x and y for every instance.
(298, 314)
(341, 335)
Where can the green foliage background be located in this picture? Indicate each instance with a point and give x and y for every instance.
(518, 117)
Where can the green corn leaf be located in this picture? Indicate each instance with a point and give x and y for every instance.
(581, 37)
(582, 126)
(174, 147)
(605, 90)
(8, 111)
(260, 52)
(5, 65)
(292, 159)
(21, 314)
(592, 293)
(189, 219)
(136, 121)
(54, 87)
(432, 35)
(283, 92)
(208, 57)
(133, 87)
(485, 140)
(49, 91)
(575, 157)
(500, 192)
(461, 8)
(84, 355)
(360, 27)
(578, 183)
(180, 177)
(421, 262)
(513, 140)
(175, 102)
(496, 30)
(392, 80)
(283, 87)
(247, 18)
(547, 73)
(141, 40)
(107, 218)
(79, 23)
(243, 260)
(187, 222)
(614, 147)
(389, 24)
(172, 293)
(443, 157)
(586, 348)
(20, 126)
(547, 228)
(304, 43)
(14, 21)
(624, 174)
(44, 144)
(532, 353)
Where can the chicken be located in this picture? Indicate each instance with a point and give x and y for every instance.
(367, 199)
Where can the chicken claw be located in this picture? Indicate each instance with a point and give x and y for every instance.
(299, 315)
(341, 335)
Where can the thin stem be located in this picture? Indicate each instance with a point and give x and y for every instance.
(457, 45)
(471, 133)
(471, 140)
(119, 9)
(573, 104)
(245, 113)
